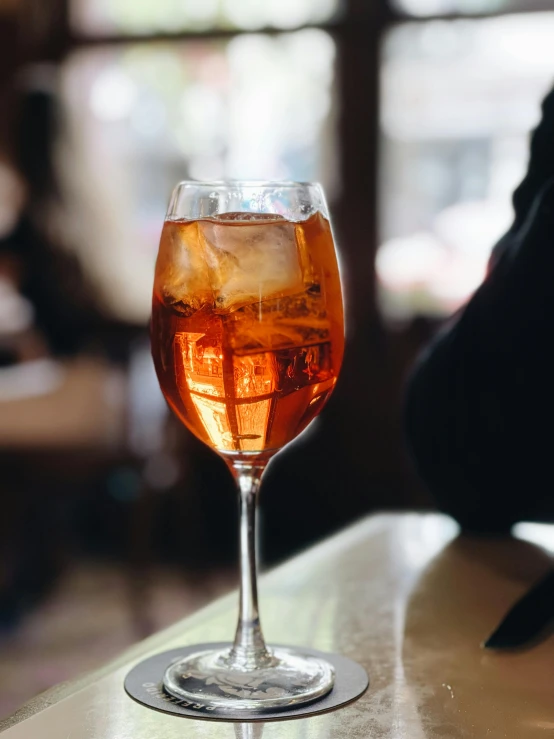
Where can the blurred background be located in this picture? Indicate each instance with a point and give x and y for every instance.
(414, 114)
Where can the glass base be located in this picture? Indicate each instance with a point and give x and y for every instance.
(290, 679)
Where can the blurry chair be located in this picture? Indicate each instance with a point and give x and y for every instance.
(61, 425)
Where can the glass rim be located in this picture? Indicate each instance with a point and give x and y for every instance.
(290, 184)
(196, 199)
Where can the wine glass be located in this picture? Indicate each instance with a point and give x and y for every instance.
(247, 339)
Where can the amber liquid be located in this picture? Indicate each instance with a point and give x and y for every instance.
(247, 376)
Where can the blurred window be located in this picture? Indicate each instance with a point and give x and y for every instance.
(426, 8)
(458, 100)
(144, 116)
(145, 17)
(217, 99)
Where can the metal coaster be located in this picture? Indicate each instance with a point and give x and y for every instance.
(144, 684)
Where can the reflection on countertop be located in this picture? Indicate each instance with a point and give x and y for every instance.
(406, 596)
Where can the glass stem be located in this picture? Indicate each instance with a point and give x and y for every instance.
(249, 651)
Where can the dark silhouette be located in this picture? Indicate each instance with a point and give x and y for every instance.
(49, 276)
(480, 403)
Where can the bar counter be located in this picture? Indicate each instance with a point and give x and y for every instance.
(405, 596)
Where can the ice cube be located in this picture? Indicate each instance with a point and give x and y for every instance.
(182, 275)
(250, 261)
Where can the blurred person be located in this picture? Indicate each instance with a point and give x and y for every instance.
(34, 261)
(17, 339)
(47, 312)
(480, 403)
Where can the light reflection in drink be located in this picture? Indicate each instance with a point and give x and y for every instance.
(247, 374)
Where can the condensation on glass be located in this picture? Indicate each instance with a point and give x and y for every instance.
(144, 116)
(459, 98)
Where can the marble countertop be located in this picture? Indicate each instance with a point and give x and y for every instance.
(405, 596)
